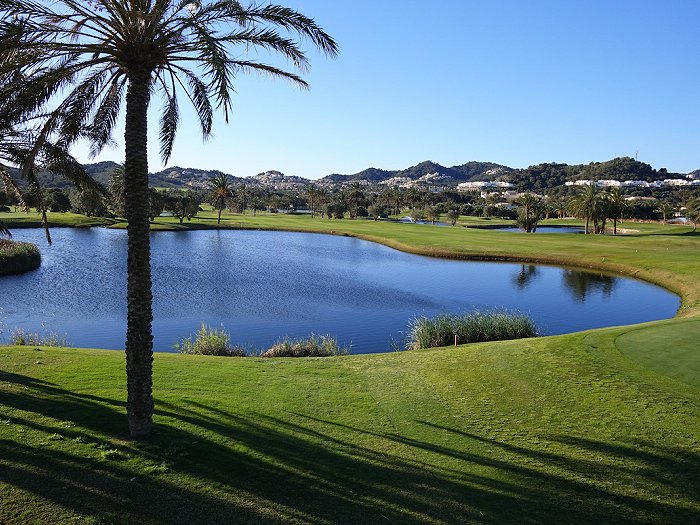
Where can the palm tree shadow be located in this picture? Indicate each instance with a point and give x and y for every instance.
(211, 464)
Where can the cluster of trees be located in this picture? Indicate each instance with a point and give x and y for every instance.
(551, 175)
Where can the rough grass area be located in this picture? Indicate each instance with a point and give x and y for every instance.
(554, 430)
(18, 257)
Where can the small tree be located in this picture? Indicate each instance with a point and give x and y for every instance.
(453, 217)
(433, 214)
(692, 212)
(182, 205)
(531, 210)
(376, 211)
(56, 200)
(665, 209)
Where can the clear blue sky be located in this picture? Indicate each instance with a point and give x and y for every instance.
(513, 82)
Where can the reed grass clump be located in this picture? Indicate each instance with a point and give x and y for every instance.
(18, 257)
(473, 327)
(209, 341)
(312, 346)
(19, 337)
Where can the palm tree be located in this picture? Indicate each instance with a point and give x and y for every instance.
(665, 209)
(354, 197)
(692, 212)
(116, 190)
(92, 56)
(220, 193)
(617, 206)
(24, 145)
(587, 204)
(531, 210)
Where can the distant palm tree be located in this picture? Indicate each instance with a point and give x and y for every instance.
(221, 193)
(91, 56)
(531, 210)
(692, 212)
(665, 209)
(587, 204)
(354, 196)
(618, 204)
(117, 190)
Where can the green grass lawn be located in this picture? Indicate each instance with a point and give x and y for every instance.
(593, 427)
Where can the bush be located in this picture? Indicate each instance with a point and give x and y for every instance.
(19, 337)
(209, 341)
(312, 346)
(18, 257)
(431, 332)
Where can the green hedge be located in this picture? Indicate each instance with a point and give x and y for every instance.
(18, 257)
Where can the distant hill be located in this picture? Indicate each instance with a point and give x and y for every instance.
(427, 171)
(551, 175)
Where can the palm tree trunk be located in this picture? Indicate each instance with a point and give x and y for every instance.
(139, 338)
(221, 208)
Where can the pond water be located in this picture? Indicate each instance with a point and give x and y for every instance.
(264, 285)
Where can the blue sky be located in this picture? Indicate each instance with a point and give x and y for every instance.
(512, 82)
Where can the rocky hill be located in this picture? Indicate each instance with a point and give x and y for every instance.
(428, 172)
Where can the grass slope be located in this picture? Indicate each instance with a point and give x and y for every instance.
(594, 427)
(561, 429)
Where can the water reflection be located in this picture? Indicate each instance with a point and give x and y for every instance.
(527, 274)
(582, 284)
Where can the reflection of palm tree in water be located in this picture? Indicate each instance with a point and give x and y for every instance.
(581, 284)
(525, 276)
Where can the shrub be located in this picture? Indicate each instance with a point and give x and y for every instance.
(312, 346)
(209, 341)
(495, 325)
(19, 337)
(18, 257)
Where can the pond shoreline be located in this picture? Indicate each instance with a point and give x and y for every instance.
(688, 307)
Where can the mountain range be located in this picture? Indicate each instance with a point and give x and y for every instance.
(427, 173)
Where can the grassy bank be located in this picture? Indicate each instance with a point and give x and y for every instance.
(593, 427)
(18, 257)
(563, 429)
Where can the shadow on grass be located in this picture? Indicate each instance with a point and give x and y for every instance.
(210, 465)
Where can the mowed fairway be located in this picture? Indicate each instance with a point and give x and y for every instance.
(594, 427)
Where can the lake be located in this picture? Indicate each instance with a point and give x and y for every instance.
(261, 286)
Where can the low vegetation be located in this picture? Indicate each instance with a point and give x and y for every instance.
(474, 327)
(217, 342)
(18, 257)
(312, 346)
(209, 341)
(19, 337)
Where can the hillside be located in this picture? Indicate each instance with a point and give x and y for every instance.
(427, 171)
(539, 177)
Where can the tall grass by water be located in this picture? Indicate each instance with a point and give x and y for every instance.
(20, 337)
(217, 342)
(312, 346)
(473, 327)
(209, 341)
(18, 257)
